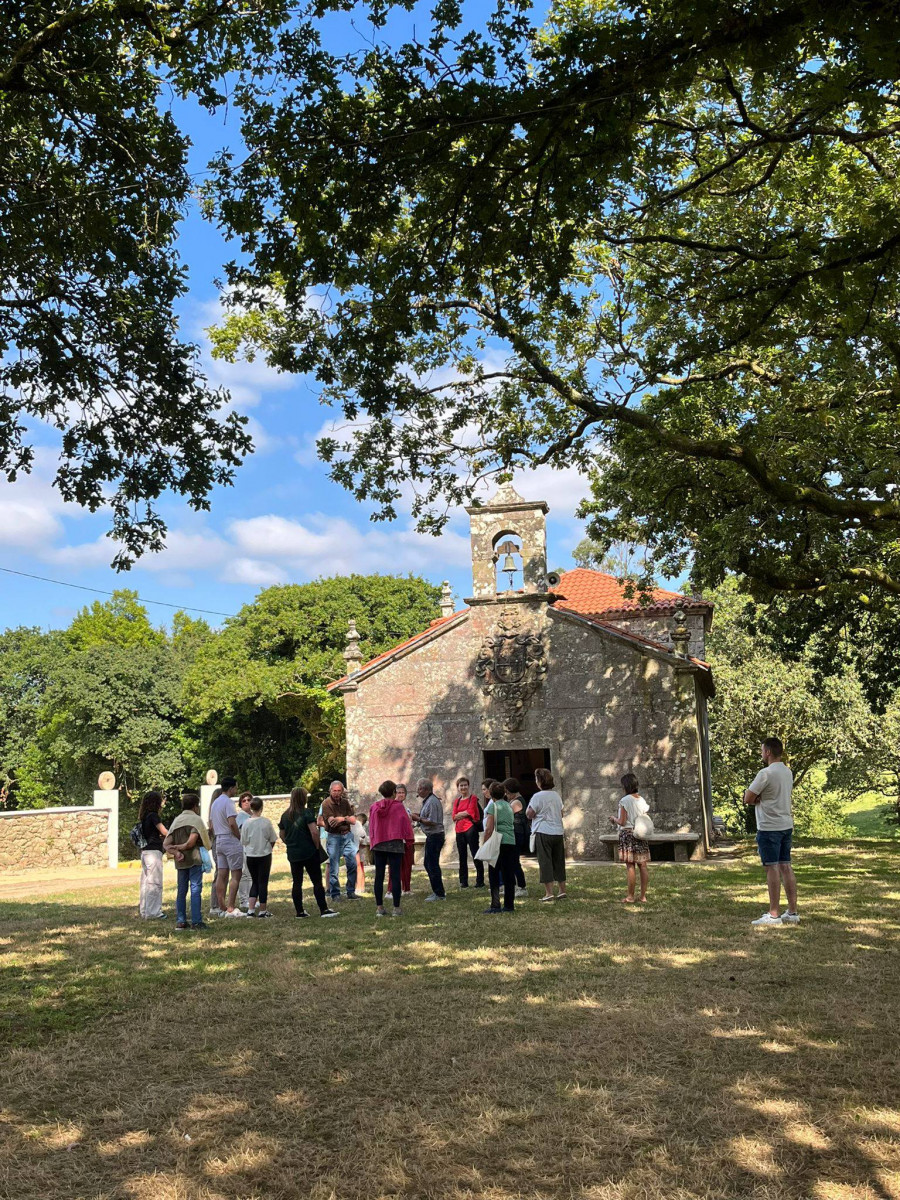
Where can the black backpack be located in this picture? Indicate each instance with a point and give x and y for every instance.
(137, 836)
(479, 824)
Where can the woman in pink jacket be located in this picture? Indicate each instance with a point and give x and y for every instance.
(389, 830)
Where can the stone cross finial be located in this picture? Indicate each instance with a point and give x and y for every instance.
(352, 655)
(446, 599)
(681, 634)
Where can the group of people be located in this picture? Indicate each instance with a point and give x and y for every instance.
(495, 830)
(238, 841)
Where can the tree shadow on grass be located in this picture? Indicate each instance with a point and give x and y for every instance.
(583, 1050)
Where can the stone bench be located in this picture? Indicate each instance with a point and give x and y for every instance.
(683, 844)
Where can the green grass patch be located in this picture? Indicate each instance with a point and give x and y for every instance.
(583, 1049)
(871, 816)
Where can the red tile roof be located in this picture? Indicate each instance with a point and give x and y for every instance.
(594, 594)
(585, 593)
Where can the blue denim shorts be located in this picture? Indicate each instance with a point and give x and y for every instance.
(774, 846)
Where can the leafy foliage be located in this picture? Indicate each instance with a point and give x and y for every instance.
(112, 692)
(259, 687)
(27, 657)
(94, 185)
(761, 694)
(656, 242)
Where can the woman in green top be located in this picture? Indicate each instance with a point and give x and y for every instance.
(300, 834)
(498, 815)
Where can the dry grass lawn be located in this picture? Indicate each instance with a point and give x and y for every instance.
(590, 1051)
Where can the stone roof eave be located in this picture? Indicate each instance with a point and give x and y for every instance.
(348, 683)
(653, 649)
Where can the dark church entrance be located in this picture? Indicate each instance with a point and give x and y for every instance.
(518, 764)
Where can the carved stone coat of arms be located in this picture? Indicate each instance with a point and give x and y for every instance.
(511, 665)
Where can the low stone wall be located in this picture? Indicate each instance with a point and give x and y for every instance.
(54, 837)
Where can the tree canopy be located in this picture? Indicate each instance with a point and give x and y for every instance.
(257, 690)
(822, 719)
(159, 707)
(93, 185)
(659, 243)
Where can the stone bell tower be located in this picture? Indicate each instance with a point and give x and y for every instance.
(509, 548)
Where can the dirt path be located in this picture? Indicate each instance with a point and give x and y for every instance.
(76, 879)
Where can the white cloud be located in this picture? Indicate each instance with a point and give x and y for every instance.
(255, 572)
(31, 509)
(99, 553)
(323, 545)
(26, 524)
(562, 489)
(189, 551)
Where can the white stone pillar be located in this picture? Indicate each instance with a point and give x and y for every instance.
(206, 794)
(108, 798)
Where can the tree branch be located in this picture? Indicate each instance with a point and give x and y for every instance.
(716, 449)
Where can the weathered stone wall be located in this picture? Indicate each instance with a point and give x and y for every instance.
(53, 837)
(659, 629)
(604, 708)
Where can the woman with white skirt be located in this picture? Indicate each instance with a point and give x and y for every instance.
(152, 857)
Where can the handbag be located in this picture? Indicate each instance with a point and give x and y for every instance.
(206, 861)
(643, 826)
(489, 851)
(531, 843)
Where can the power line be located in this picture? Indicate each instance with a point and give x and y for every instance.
(210, 612)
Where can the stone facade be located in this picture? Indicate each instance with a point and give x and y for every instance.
(513, 679)
(658, 628)
(54, 837)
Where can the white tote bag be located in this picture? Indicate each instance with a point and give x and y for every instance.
(643, 826)
(489, 851)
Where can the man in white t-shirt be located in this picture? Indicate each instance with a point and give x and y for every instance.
(229, 851)
(771, 793)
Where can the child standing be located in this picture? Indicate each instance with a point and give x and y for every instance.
(633, 851)
(258, 836)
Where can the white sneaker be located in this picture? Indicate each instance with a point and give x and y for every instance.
(235, 912)
(217, 912)
(766, 919)
(790, 918)
(520, 892)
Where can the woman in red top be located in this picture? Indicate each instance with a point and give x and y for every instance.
(467, 819)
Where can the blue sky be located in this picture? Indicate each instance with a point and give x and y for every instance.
(283, 521)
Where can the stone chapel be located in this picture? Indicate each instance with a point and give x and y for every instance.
(562, 671)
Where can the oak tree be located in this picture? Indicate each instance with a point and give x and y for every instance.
(93, 187)
(658, 243)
